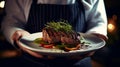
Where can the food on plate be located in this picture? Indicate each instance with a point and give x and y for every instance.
(59, 35)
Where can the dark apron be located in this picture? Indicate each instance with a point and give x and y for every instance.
(40, 14)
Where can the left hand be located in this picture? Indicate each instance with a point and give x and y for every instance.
(17, 35)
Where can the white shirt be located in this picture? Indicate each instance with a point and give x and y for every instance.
(17, 15)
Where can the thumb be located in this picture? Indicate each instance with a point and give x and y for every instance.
(16, 36)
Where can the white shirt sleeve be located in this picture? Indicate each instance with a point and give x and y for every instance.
(95, 17)
(14, 18)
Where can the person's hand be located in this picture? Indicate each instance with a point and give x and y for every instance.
(17, 35)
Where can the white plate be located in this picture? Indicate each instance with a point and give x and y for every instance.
(95, 43)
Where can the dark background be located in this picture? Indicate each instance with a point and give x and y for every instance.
(108, 56)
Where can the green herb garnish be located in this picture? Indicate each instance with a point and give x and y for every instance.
(59, 26)
(39, 41)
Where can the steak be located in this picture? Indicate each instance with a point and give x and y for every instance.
(52, 36)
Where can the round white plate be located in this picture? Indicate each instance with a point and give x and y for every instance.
(94, 43)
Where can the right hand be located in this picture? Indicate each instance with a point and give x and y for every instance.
(17, 35)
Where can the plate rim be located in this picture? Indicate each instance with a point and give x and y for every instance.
(62, 52)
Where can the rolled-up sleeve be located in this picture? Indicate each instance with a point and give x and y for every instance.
(95, 17)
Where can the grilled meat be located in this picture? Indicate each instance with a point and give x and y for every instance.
(52, 36)
(60, 32)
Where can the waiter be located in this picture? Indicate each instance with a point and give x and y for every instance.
(24, 17)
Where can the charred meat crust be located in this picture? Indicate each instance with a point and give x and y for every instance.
(52, 36)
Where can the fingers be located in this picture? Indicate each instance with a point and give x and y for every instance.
(101, 36)
(18, 34)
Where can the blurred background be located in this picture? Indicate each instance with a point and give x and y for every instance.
(108, 56)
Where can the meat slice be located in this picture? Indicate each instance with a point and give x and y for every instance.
(52, 36)
(70, 39)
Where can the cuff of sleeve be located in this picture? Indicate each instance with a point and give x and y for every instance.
(8, 35)
(102, 36)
